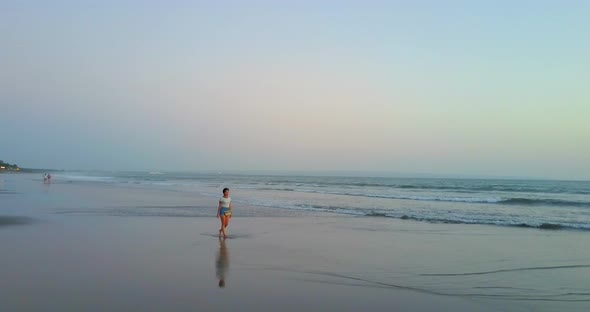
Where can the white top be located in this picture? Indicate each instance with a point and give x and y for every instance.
(225, 202)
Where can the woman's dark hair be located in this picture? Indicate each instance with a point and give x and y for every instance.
(225, 189)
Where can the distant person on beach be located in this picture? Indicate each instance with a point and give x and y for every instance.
(46, 178)
(224, 211)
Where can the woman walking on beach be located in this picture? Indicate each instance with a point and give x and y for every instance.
(224, 211)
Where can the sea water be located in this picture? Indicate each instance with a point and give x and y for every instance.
(525, 203)
(540, 270)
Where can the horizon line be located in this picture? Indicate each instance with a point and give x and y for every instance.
(335, 173)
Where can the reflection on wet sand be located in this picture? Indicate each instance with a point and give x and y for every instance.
(222, 262)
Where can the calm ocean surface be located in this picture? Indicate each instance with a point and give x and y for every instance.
(525, 203)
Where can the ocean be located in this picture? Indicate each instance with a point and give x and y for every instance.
(504, 245)
(544, 204)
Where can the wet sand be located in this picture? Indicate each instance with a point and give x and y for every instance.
(172, 264)
(85, 260)
(14, 220)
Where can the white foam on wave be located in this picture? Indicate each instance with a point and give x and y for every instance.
(435, 198)
(81, 178)
(488, 200)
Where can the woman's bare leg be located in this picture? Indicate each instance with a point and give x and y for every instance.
(221, 229)
(223, 225)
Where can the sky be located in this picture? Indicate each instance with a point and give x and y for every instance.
(470, 88)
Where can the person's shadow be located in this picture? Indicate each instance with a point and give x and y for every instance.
(222, 263)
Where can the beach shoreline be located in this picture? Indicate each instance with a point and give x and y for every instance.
(97, 247)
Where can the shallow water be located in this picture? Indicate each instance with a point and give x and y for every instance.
(123, 237)
(525, 203)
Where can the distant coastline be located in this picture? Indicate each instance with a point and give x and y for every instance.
(6, 167)
(36, 170)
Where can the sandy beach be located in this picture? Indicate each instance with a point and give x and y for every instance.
(81, 247)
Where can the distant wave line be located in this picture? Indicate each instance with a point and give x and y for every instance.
(477, 200)
(510, 270)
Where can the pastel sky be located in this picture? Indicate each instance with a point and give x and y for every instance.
(442, 87)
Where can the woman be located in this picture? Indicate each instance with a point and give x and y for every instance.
(224, 211)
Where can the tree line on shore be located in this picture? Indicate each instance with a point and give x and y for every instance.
(5, 166)
(8, 166)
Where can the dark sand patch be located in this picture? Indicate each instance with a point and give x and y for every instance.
(14, 220)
